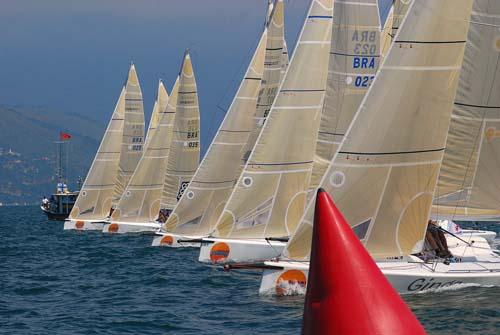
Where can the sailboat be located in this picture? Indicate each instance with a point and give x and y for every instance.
(384, 175)
(458, 163)
(118, 153)
(202, 202)
(469, 184)
(139, 205)
(167, 164)
(352, 64)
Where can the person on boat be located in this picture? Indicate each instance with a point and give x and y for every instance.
(45, 202)
(436, 240)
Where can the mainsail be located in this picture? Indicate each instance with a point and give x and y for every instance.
(133, 134)
(384, 174)
(354, 61)
(469, 181)
(184, 155)
(158, 108)
(270, 195)
(141, 200)
(211, 186)
(273, 67)
(94, 199)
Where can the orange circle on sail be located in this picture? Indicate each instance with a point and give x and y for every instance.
(219, 252)
(113, 228)
(79, 224)
(167, 240)
(290, 277)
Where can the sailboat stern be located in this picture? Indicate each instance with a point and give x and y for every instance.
(83, 225)
(130, 227)
(221, 251)
(176, 241)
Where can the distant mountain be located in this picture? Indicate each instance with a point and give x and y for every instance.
(27, 151)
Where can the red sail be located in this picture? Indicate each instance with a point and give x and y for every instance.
(346, 291)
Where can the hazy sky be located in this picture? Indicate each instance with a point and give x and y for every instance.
(73, 55)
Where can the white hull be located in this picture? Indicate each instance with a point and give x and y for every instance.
(175, 241)
(407, 276)
(83, 225)
(130, 227)
(472, 234)
(220, 251)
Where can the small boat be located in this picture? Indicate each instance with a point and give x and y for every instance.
(119, 151)
(259, 218)
(170, 157)
(60, 204)
(195, 214)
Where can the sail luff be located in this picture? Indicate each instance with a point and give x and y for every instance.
(184, 155)
(469, 184)
(384, 174)
(133, 134)
(94, 199)
(386, 33)
(276, 176)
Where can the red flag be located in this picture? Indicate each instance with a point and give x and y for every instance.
(64, 136)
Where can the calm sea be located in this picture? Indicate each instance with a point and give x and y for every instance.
(56, 282)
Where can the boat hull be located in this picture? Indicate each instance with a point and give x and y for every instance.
(471, 234)
(221, 251)
(290, 278)
(176, 241)
(83, 225)
(131, 227)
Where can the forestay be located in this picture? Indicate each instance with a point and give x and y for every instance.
(270, 195)
(94, 199)
(141, 200)
(133, 134)
(469, 180)
(184, 155)
(384, 174)
(354, 61)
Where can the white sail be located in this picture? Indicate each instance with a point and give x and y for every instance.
(206, 196)
(384, 174)
(354, 61)
(386, 33)
(269, 198)
(94, 199)
(469, 180)
(141, 200)
(400, 8)
(159, 107)
(273, 67)
(284, 60)
(133, 134)
(184, 155)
